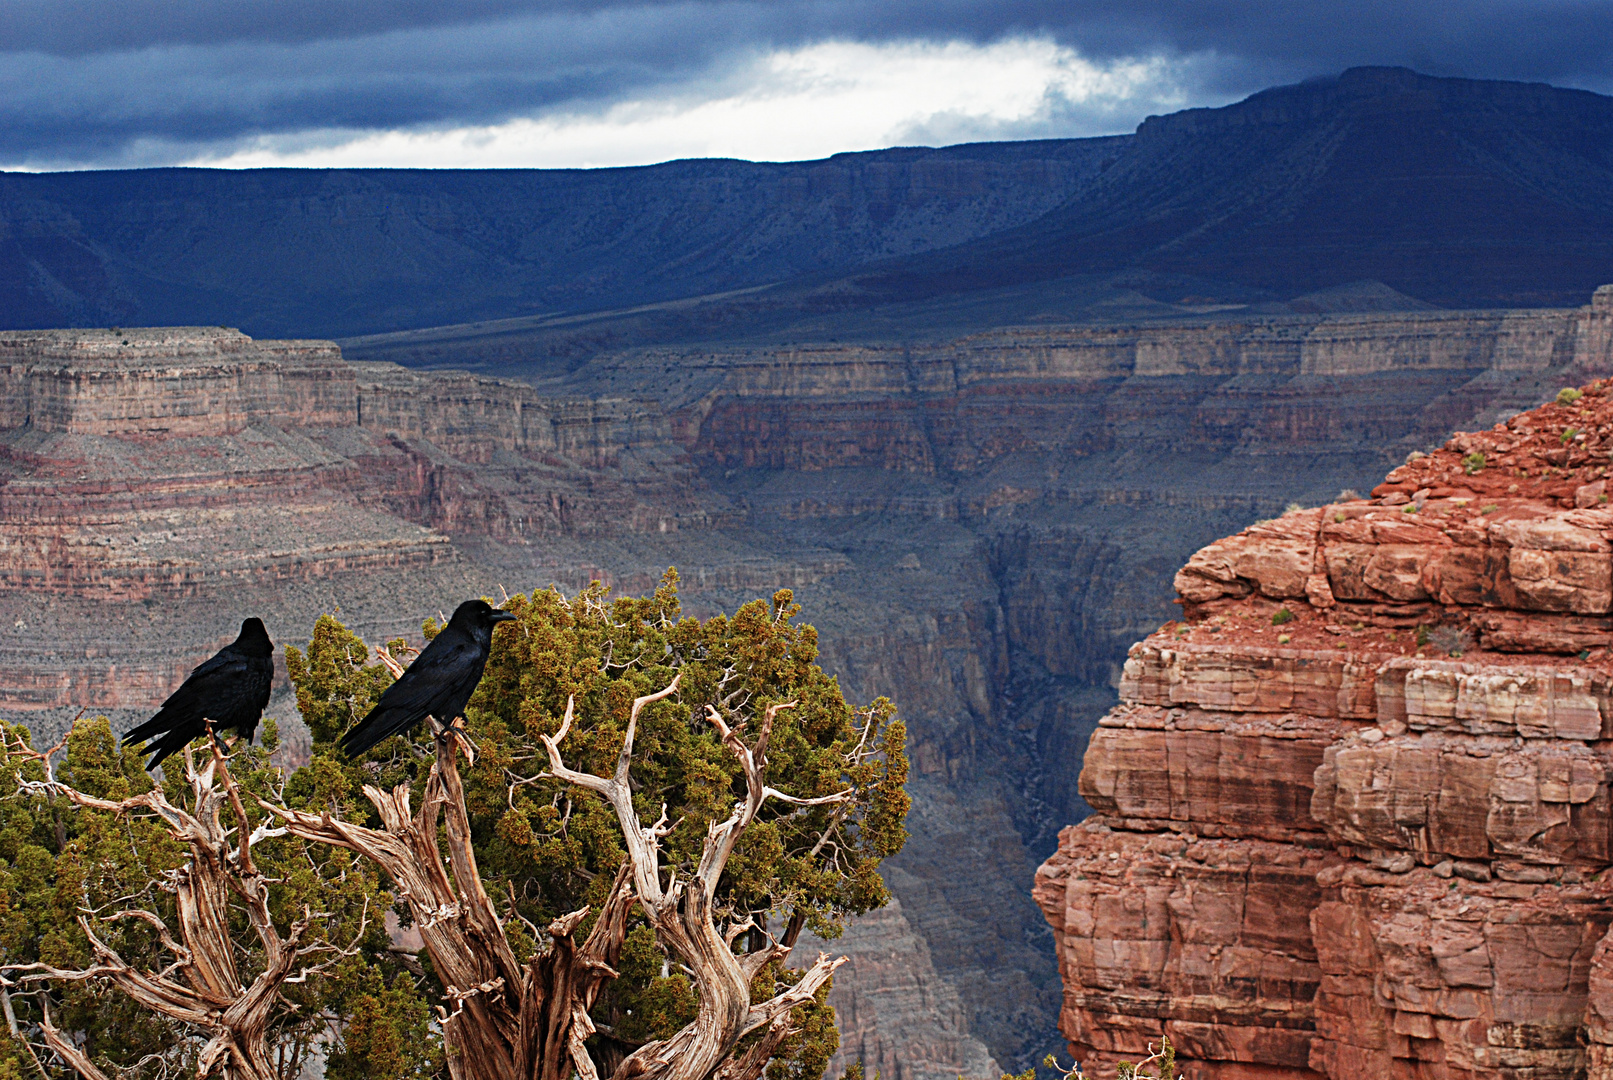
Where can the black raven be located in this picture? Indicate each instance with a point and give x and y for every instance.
(438, 683)
(230, 690)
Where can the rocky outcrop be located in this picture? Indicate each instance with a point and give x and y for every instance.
(1353, 814)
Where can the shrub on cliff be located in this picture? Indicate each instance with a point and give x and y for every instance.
(1160, 1064)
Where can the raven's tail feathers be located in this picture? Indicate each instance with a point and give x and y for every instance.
(372, 730)
(170, 743)
(164, 721)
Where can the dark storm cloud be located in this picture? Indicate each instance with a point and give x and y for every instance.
(131, 81)
(1543, 40)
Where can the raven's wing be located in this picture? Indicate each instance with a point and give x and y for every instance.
(444, 673)
(255, 688)
(223, 689)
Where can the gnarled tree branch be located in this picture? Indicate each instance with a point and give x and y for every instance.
(684, 918)
(232, 1017)
(509, 1021)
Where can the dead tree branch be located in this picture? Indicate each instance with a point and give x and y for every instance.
(684, 917)
(509, 1021)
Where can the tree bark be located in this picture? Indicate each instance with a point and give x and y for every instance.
(683, 916)
(511, 1022)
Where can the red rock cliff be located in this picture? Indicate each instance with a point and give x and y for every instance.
(1353, 814)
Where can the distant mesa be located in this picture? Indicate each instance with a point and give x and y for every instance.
(1451, 192)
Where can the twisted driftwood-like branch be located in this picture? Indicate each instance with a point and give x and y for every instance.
(509, 1021)
(203, 986)
(685, 920)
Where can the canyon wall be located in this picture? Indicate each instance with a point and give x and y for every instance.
(1353, 814)
(979, 527)
(1012, 505)
(152, 475)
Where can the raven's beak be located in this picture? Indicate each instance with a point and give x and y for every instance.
(504, 616)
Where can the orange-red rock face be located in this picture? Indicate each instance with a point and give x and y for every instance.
(1354, 815)
(1205, 941)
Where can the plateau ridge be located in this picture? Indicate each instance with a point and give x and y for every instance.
(1452, 192)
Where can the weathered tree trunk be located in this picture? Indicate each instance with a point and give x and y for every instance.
(509, 1021)
(685, 922)
(531, 1023)
(235, 1018)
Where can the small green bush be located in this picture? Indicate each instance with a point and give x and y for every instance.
(1473, 463)
(1283, 615)
(1568, 395)
(1568, 433)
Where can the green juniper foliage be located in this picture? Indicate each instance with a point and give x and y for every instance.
(58, 861)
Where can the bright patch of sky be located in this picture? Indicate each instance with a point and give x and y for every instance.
(793, 104)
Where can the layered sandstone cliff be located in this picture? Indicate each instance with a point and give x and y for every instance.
(1354, 813)
(145, 469)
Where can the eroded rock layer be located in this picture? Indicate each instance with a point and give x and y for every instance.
(161, 480)
(1353, 813)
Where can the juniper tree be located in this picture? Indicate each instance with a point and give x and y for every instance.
(655, 807)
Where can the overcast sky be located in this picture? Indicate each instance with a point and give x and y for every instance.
(114, 83)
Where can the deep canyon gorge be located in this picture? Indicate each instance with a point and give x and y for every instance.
(980, 527)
